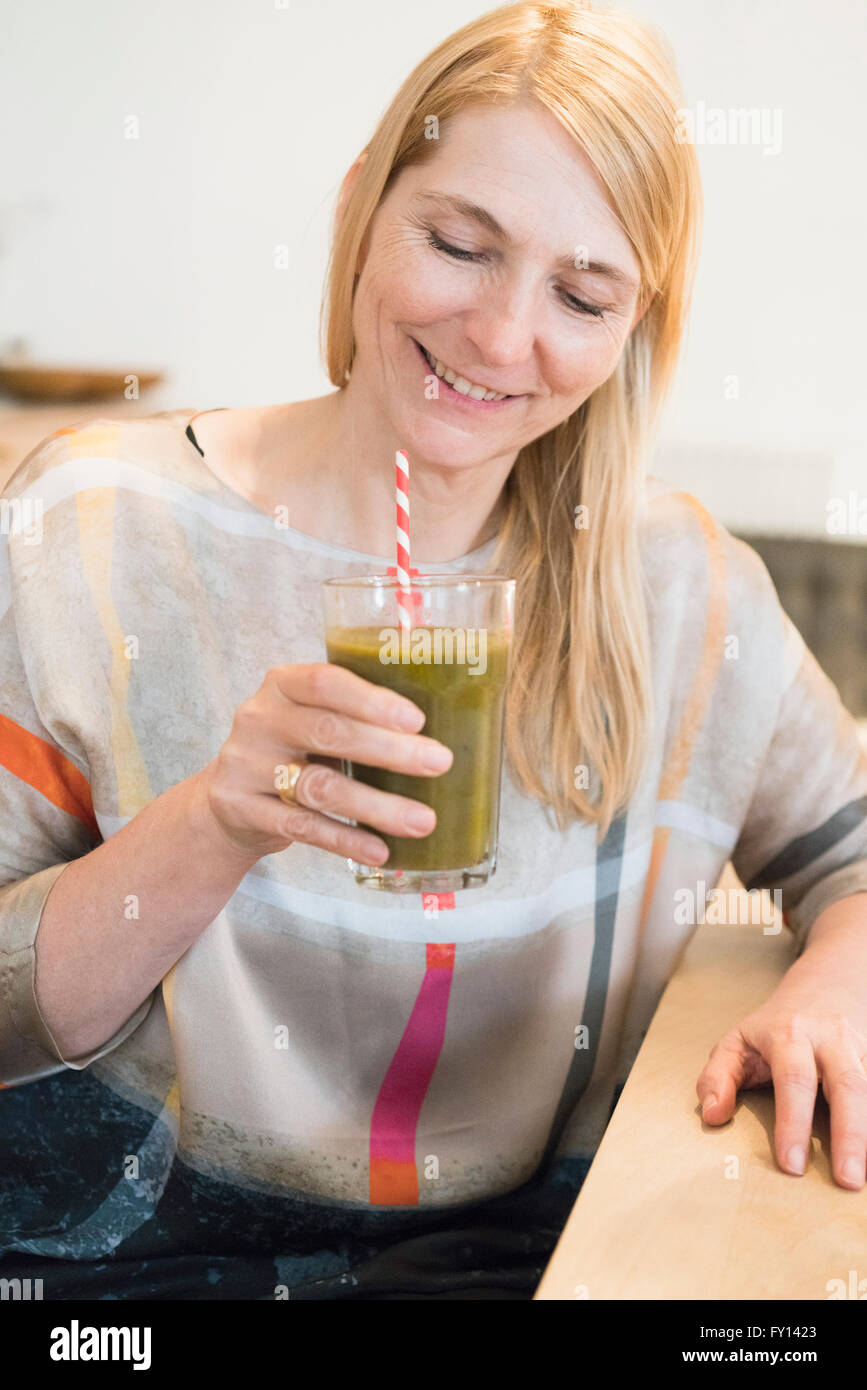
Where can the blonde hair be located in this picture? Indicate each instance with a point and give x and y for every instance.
(581, 687)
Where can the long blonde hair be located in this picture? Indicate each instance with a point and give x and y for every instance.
(581, 686)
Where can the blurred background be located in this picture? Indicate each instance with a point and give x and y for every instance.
(169, 175)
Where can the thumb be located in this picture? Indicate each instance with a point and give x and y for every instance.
(723, 1074)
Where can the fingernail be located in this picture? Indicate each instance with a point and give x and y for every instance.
(853, 1170)
(375, 852)
(707, 1103)
(437, 759)
(408, 717)
(422, 818)
(796, 1159)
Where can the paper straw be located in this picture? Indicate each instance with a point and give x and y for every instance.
(401, 495)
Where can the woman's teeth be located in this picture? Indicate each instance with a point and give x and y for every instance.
(460, 383)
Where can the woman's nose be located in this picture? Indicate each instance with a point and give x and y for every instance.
(503, 325)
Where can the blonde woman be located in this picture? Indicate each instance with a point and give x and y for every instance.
(228, 1075)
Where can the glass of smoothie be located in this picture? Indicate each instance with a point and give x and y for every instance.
(453, 661)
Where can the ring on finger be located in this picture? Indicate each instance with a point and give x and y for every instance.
(287, 793)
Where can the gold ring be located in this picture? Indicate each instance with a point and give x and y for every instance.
(287, 793)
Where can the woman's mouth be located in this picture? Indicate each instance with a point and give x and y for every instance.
(458, 391)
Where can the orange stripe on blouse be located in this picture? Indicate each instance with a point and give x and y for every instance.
(45, 768)
(712, 654)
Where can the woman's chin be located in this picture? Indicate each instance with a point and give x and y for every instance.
(446, 445)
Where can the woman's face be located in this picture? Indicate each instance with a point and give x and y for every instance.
(512, 310)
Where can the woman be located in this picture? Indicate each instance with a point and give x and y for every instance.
(224, 1084)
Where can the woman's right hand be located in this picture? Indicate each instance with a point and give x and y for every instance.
(324, 711)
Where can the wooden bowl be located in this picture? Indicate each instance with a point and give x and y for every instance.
(31, 383)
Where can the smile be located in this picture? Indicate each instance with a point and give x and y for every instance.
(458, 388)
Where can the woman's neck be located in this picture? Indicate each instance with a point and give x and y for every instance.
(326, 460)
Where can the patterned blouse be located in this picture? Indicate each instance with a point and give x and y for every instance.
(338, 1093)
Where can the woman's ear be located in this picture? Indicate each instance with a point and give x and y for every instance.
(350, 179)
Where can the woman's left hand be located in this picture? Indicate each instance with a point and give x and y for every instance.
(796, 1048)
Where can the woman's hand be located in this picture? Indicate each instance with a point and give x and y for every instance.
(796, 1048)
(323, 711)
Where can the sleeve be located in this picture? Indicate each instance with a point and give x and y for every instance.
(804, 837)
(46, 821)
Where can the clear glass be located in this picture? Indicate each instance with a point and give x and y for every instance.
(453, 661)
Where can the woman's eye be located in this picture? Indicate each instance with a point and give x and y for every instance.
(457, 251)
(578, 306)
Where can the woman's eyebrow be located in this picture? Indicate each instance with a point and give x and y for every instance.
(454, 202)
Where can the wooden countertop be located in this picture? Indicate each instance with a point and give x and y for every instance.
(674, 1209)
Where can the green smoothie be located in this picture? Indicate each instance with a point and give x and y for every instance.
(464, 710)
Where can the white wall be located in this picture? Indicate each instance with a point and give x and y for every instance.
(160, 251)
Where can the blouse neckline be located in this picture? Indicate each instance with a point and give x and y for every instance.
(304, 538)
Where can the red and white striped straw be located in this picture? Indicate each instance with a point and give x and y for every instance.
(401, 497)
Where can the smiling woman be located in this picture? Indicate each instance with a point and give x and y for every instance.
(233, 1071)
(538, 253)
